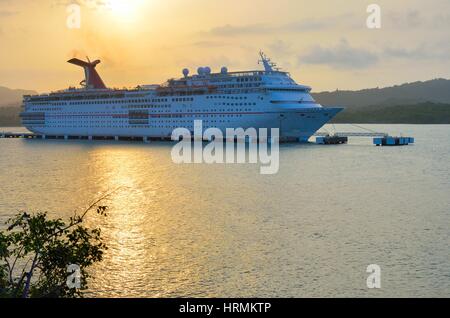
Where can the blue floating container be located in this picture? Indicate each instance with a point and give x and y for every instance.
(390, 141)
(377, 141)
(320, 140)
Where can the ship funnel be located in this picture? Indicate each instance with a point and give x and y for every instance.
(92, 79)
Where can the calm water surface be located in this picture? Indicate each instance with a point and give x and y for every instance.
(226, 230)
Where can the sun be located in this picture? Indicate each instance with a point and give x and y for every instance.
(123, 9)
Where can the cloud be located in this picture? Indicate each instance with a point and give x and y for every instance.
(5, 13)
(441, 20)
(208, 44)
(345, 56)
(229, 30)
(315, 24)
(407, 19)
(306, 25)
(340, 56)
(437, 51)
(280, 48)
(413, 19)
(417, 53)
(418, 19)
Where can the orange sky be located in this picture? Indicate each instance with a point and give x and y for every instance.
(325, 44)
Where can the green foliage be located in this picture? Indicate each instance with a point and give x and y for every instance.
(35, 252)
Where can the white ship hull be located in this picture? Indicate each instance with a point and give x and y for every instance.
(300, 123)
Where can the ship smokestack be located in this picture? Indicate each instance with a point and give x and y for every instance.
(92, 79)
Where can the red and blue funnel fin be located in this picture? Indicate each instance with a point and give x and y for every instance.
(92, 79)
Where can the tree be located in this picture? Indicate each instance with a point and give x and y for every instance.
(35, 253)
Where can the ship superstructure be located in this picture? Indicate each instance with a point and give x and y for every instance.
(267, 98)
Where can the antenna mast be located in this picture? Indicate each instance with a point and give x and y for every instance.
(269, 66)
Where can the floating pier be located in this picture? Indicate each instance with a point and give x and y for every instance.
(352, 134)
(379, 138)
(393, 141)
(340, 138)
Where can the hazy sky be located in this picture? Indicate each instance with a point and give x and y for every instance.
(324, 43)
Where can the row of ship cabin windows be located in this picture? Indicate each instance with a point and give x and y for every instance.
(146, 106)
(226, 97)
(191, 99)
(184, 99)
(58, 123)
(151, 118)
(150, 125)
(168, 106)
(155, 100)
(89, 115)
(236, 104)
(250, 85)
(46, 109)
(249, 79)
(46, 104)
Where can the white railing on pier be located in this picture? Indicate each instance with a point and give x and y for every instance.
(351, 134)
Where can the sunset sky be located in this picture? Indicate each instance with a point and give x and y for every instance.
(325, 44)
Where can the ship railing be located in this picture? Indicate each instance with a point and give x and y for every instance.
(352, 134)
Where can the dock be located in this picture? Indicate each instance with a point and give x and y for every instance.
(18, 135)
(331, 140)
(70, 137)
(338, 138)
(145, 139)
(379, 138)
(352, 134)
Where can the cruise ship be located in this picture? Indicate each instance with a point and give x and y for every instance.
(267, 98)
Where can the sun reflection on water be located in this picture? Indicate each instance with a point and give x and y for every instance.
(139, 216)
(124, 227)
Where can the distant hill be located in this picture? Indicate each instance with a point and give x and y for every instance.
(9, 116)
(12, 97)
(415, 103)
(10, 101)
(435, 91)
(421, 113)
